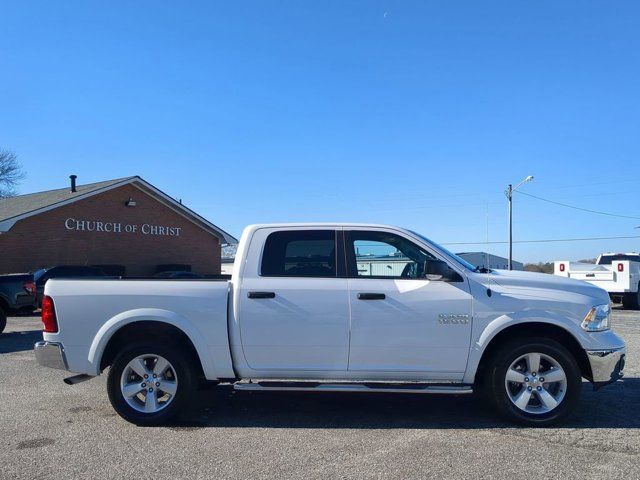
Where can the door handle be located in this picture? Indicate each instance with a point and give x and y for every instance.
(371, 296)
(261, 295)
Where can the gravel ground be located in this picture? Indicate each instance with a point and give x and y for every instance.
(51, 430)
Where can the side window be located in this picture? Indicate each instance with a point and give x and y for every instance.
(300, 253)
(386, 255)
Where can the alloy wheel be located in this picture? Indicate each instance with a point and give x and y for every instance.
(148, 383)
(536, 383)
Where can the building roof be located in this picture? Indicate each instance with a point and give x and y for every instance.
(21, 204)
(16, 208)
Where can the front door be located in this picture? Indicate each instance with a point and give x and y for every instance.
(294, 304)
(400, 320)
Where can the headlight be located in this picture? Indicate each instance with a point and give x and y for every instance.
(597, 319)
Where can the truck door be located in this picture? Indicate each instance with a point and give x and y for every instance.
(293, 304)
(402, 321)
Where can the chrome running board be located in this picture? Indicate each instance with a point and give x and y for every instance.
(304, 386)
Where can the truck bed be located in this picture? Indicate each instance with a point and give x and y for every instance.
(620, 277)
(94, 309)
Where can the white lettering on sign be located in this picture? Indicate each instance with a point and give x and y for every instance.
(117, 227)
(148, 229)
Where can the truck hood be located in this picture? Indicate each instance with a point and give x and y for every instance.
(546, 282)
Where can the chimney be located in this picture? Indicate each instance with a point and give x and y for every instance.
(73, 183)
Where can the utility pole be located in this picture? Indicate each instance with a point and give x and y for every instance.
(510, 197)
(509, 193)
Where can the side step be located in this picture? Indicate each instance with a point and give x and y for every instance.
(77, 379)
(303, 386)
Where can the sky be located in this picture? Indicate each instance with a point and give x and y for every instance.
(416, 114)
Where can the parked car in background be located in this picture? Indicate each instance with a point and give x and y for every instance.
(178, 275)
(41, 276)
(17, 294)
(300, 315)
(617, 273)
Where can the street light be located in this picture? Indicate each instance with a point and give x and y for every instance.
(509, 193)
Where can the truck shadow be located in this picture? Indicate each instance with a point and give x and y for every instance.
(19, 341)
(612, 407)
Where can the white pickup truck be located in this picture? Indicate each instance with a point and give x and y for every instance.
(617, 273)
(300, 314)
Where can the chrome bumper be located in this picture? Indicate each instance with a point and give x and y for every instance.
(606, 365)
(49, 354)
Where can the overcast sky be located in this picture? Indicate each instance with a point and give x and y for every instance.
(410, 113)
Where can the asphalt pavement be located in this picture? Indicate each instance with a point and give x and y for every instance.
(51, 430)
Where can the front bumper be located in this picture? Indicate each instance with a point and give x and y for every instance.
(606, 365)
(50, 354)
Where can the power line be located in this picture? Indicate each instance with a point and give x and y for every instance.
(591, 184)
(547, 240)
(578, 208)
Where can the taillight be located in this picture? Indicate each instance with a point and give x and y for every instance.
(621, 267)
(30, 288)
(49, 319)
(562, 267)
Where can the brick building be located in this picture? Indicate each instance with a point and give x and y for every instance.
(123, 225)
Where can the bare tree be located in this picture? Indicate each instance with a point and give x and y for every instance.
(10, 173)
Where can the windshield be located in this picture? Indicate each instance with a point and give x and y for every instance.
(449, 254)
(607, 259)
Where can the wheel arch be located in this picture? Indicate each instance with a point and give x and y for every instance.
(532, 329)
(153, 323)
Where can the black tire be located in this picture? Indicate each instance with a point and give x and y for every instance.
(631, 301)
(3, 320)
(181, 361)
(496, 391)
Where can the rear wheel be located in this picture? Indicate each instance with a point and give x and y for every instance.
(3, 320)
(149, 383)
(536, 382)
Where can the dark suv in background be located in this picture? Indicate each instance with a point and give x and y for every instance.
(62, 271)
(17, 294)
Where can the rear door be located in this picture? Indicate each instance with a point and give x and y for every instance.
(293, 302)
(401, 322)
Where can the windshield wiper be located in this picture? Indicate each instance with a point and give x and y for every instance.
(480, 269)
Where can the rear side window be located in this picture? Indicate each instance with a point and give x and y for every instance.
(300, 253)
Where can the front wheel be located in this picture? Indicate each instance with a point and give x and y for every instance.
(631, 301)
(149, 383)
(536, 382)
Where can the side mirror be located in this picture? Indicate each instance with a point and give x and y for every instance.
(440, 270)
